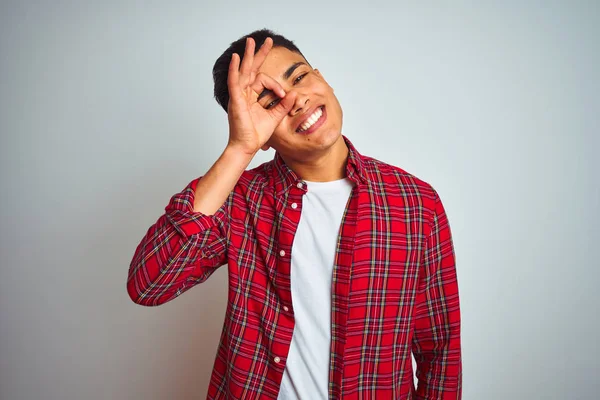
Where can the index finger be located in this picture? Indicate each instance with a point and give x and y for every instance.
(260, 56)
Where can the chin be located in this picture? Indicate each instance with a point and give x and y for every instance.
(329, 137)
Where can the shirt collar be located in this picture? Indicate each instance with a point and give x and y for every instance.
(284, 177)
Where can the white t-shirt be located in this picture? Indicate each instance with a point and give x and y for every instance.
(306, 375)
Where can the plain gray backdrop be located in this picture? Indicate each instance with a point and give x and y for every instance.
(107, 110)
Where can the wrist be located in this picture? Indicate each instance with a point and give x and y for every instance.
(240, 151)
(239, 154)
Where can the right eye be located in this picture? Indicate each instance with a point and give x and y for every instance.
(273, 103)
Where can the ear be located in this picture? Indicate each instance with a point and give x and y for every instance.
(320, 75)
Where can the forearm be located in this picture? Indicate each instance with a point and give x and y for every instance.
(213, 188)
(180, 250)
(438, 348)
(154, 274)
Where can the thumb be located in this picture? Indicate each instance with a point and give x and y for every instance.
(284, 106)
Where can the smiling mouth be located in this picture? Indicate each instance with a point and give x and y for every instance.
(312, 120)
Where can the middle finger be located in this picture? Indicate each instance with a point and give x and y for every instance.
(260, 56)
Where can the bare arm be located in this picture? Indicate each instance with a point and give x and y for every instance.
(189, 241)
(250, 126)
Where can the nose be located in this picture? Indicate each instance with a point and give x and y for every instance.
(301, 104)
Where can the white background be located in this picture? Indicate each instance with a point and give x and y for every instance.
(107, 110)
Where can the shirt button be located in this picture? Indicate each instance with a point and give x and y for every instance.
(299, 185)
(178, 292)
(285, 308)
(294, 206)
(282, 253)
(277, 360)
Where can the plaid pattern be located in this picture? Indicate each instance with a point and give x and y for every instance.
(394, 289)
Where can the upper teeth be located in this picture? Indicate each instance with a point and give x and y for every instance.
(311, 120)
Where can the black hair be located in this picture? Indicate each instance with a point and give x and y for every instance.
(221, 67)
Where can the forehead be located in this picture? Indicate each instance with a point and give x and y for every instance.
(278, 61)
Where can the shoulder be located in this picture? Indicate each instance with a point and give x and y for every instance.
(394, 182)
(380, 173)
(255, 179)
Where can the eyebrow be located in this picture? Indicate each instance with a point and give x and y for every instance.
(291, 70)
(286, 75)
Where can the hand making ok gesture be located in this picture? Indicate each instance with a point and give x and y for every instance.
(250, 124)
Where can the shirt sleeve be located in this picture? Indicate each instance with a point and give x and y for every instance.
(436, 341)
(183, 248)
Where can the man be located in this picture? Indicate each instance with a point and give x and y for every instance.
(340, 266)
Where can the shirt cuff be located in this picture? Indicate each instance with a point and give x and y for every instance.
(180, 213)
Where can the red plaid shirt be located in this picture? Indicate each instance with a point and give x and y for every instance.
(394, 287)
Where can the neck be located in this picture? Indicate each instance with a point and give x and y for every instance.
(326, 167)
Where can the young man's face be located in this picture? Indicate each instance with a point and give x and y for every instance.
(294, 138)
